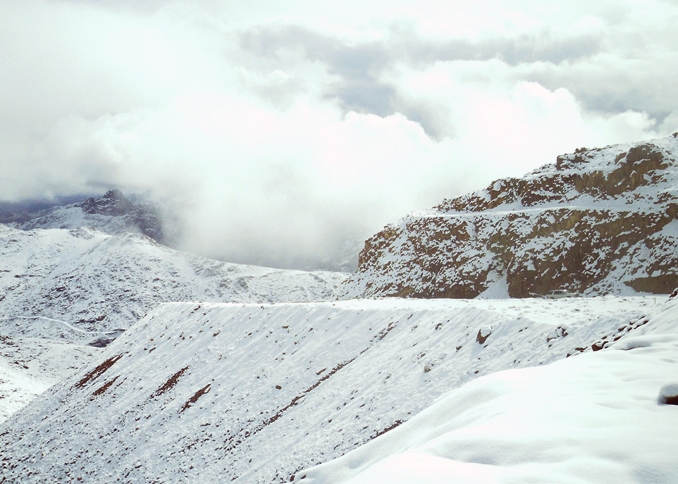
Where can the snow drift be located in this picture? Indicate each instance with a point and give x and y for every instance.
(199, 392)
(600, 417)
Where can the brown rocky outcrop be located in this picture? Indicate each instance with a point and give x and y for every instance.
(597, 221)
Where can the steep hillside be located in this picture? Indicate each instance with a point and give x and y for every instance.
(600, 221)
(63, 290)
(602, 417)
(254, 393)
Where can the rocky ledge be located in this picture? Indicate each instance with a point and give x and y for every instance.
(598, 221)
(141, 215)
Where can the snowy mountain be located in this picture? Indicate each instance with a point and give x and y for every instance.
(601, 417)
(63, 290)
(599, 221)
(263, 377)
(113, 213)
(101, 282)
(203, 392)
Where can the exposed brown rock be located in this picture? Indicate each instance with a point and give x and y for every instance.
(593, 222)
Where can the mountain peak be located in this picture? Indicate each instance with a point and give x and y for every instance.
(112, 203)
(598, 221)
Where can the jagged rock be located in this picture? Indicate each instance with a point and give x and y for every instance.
(668, 395)
(114, 203)
(113, 213)
(597, 221)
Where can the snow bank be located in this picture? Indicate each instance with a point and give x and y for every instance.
(594, 418)
(200, 392)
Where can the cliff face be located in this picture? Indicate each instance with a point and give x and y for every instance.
(113, 213)
(597, 221)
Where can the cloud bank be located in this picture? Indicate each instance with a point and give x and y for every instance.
(275, 133)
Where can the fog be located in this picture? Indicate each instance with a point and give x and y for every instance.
(277, 133)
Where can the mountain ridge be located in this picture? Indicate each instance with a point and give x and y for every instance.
(599, 221)
(112, 213)
(254, 393)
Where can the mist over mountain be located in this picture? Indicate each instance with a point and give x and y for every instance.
(275, 133)
(116, 213)
(598, 221)
(271, 242)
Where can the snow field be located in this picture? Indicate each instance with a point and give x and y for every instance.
(599, 418)
(59, 287)
(202, 392)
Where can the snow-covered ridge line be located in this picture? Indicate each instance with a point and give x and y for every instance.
(597, 222)
(207, 392)
(102, 282)
(602, 417)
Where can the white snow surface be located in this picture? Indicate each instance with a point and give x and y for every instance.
(29, 366)
(597, 418)
(60, 289)
(206, 392)
(98, 282)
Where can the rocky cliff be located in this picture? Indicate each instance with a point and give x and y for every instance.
(597, 221)
(113, 213)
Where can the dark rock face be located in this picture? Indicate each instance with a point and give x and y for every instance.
(598, 221)
(112, 213)
(114, 203)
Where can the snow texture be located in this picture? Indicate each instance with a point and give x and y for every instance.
(99, 282)
(594, 418)
(204, 392)
(61, 290)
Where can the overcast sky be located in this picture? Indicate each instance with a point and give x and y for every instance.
(276, 129)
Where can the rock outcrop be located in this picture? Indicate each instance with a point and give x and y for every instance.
(141, 215)
(597, 221)
(113, 213)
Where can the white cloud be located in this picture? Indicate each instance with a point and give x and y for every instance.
(276, 131)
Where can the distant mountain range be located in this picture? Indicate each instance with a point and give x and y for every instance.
(98, 281)
(113, 213)
(598, 221)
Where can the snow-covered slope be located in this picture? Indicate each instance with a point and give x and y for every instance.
(113, 213)
(599, 418)
(199, 392)
(62, 289)
(598, 221)
(100, 282)
(30, 365)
